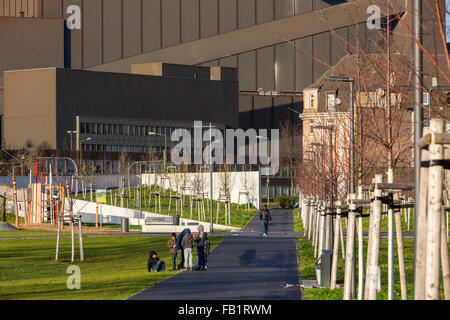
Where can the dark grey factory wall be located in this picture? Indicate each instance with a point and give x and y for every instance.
(142, 97)
(260, 112)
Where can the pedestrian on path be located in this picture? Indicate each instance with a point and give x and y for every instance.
(200, 239)
(188, 243)
(266, 218)
(172, 245)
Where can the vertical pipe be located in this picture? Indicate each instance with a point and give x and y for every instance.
(418, 115)
(334, 265)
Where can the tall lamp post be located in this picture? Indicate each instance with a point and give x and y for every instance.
(81, 147)
(352, 190)
(350, 80)
(267, 175)
(165, 146)
(329, 223)
(316, 144)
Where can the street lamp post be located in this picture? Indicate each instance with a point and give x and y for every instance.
(350, 80)
(165, 146)
(329, 243)
(267, 175)
(81, 147)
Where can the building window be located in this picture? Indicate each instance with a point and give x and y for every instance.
(311, 126)
(331, 100)
(312, 100)
(88, 128)
(99, 128)
(426, 98)
(82, 128)
(126, 130)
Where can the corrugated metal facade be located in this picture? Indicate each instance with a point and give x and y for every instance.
(116, 29)
(31, 43)
(30, 105)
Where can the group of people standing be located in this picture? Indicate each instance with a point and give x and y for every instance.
(181, 249)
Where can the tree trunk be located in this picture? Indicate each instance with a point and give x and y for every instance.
(420, 231)
(444, 257)
(334, 265)
(435, 180)
(349, 261)
(401, 257)
(373, 248)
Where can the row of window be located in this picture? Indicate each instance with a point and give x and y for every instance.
(124, 130)
(116, 148)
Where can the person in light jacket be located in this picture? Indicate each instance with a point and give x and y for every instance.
(188, 243)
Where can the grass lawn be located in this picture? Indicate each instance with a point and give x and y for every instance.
(239, 216)
(115, 267)
(307, 270)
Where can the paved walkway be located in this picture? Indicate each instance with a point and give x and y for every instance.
(244, 266)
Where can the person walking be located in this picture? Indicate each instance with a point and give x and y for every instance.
(172, 245)
(200, 239)
(188, 243)
(266, 218)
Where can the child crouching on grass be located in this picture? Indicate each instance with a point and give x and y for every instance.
(154, 263)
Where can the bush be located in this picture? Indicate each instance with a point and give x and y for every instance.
(286, 201)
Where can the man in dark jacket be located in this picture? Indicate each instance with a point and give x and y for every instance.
(201, 242)
(265, 217)
(180, 248)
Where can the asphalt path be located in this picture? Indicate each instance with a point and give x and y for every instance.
(244, 266)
